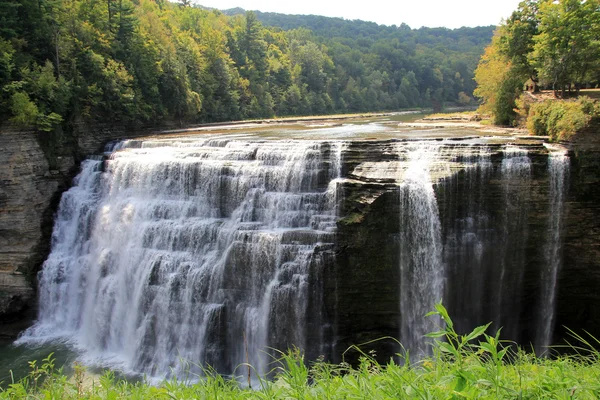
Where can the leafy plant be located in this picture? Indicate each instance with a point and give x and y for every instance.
(561, 119)
(464, 366)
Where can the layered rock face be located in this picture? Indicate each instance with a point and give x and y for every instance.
(28, 189)
(498, 247)
(579, 279)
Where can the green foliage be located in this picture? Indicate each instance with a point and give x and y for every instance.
(567, 46)
(464, 366)
(550, 43)
(499, 84)
(25, 112)
(562, 119)
(148, 61)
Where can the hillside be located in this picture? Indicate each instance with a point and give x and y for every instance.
(150, 62)
(328, 27)
(401, 49)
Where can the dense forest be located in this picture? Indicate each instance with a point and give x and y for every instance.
(150, 61)
(544, 43)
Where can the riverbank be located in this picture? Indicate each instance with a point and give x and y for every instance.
(468, 120)
(540, 116)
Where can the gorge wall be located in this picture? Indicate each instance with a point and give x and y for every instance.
(579, 279)
(28, 190)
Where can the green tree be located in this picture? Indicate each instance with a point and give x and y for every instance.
(517, 40)
(567, 44)
(498, 83)
(25, 112)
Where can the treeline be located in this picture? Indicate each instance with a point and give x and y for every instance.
(148, 61)
(386, 63)
(545, 43)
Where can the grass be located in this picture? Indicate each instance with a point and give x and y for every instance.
(470, 366)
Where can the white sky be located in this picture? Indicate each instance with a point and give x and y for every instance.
(415, 13)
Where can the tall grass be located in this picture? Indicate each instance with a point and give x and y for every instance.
(463, 366)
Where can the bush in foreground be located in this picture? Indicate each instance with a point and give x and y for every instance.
(472, 366)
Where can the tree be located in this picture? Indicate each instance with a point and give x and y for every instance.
(25, 112)
(498, 84)
(567, 43)
(517, 40)
(140, 61)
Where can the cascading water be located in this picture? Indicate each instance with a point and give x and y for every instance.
(472, 255)
(468, 237)
(516, 181)
(558, 169)
(189, 249)
(212, 249)
(421, 266)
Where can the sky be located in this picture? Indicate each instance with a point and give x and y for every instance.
(415, 13)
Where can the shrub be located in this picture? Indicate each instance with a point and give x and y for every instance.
(561, 119)
(24, 110)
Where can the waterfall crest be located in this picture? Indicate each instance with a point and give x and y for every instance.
(421, 266)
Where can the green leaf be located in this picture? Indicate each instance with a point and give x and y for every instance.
(447, 348)
(477, 332)
(461, 384)
(487, 347)
(444, 314)
(502, 353)
(485, 382)
(436, 334)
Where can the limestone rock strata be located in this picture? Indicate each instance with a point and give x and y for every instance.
(579, 282)
(28, 188)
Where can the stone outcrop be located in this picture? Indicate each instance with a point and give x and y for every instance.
(363, 292)
(579, 284)
(28, 190)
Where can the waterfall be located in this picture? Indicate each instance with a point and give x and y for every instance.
(558, 169)
(511, 241)
(335, 173)
(421, 266)
(175, 253)
(184, 252)
(469, 238)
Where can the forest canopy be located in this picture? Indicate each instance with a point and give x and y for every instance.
(150, 61)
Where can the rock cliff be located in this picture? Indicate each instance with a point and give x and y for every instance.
(29, 189)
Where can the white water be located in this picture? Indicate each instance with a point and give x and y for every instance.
(516, 181)
(421, 266)
(183, 247)
(558, 170)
